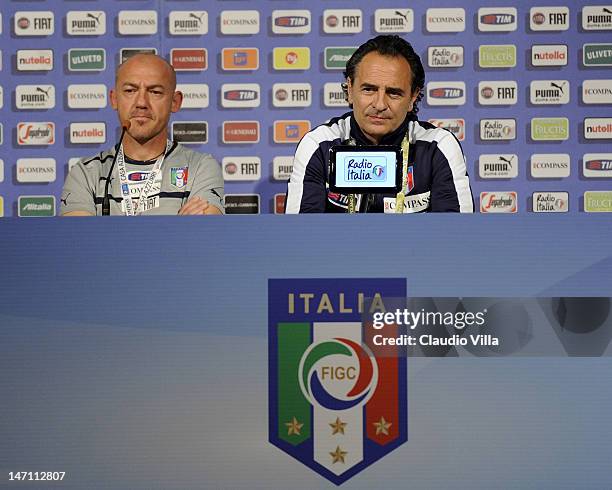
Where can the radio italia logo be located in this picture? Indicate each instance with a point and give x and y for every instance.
(497, 56)
(334, 405)
(549, 129)
(445, 56)
(497, 129)
(364, 170)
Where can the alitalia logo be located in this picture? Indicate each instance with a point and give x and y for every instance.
(36, 206)
(336, 57)
(549, 129)
(597, 54)
(86, 59)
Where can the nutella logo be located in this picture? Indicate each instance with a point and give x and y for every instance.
(549, 55)
(34, 60)
(598, 128)
(88, 132)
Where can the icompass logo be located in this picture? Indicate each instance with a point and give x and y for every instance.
(137, 22)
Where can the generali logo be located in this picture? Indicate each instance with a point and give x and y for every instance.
(137, 22)
(393, 20)
(35, 133)
(497, 92)
(36, 170)
(291, 95)
(549, 18)
(195, 95)
(445, 20)
(234, 95)
(445, 93)
(34, 60)
(87, 96)
(188, 22)
(597, 18)
(597, 165)
(34, 23)
(86, 23)
(549, 55)
(241, 168)
(290, 131)
(189, 59)
(291, 21)
(240, 22)
(34, 97)
(596, 128)
(241, 132)
(342, 21)
(498, 202)
(497, 19)
(235, 59)
(455, 126)
(333, 95)
(87, 132)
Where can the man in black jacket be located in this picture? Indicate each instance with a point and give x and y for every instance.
(384, 83)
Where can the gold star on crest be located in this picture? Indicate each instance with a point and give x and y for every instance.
(338, 455)
(337, 426)
(294, 427)
(382, 426)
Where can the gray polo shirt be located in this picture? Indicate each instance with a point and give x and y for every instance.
(185, 173)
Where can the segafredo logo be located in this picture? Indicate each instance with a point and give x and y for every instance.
(549, 55)
(497, 92)
(333, 95)
(597, 18)
(235, 95)
(87, 96)
(291, 21)
(549, 92)
(497, 19)
(85, 23)
(195, 95)
(137, 22)
(498, 202)
(35, 97)
(34, 23)
(597, 91)
(35, 133)
(394, 20)
(497, 129)
(291, 95)
(446, 93)
(597, 165)
(549, 18)
(498, 166)
(342, 21)
(188, 22)
(455, 126)
(34, 60)
(239, 22)
(596, 128)
(445, 56)
(333, 405)
(445, 20)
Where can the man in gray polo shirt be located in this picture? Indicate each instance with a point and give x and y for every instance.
(151, 175)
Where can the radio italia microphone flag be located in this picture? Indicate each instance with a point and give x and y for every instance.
(334, 405)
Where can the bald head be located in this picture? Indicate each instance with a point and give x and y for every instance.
(152, 62)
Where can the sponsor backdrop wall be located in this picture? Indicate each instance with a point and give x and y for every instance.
(527, 89)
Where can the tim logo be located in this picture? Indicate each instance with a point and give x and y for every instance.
(446, 93)
(497, 19)
(333, 405)
(291, 21)
(138, 176)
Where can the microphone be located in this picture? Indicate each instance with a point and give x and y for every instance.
(106, 201)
